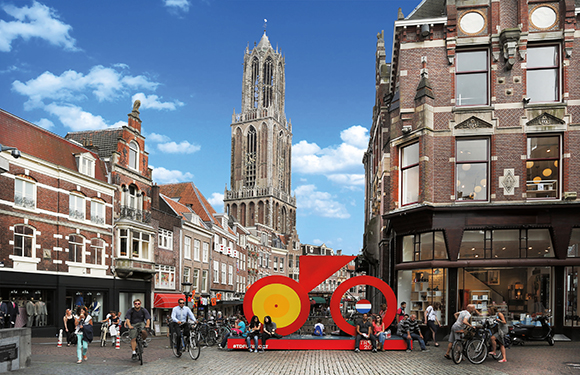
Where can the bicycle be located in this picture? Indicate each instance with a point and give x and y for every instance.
(139, 347)
(150, 333)
(479, 347)
(188, 344)
(104, 329)
(458, 350)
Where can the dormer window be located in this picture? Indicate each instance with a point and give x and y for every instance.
(133, 155)
(86, 164)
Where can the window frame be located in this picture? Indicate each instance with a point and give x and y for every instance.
(557, 68)
(23, 236)
(23, 196)
(77, 206)
(196, 249)
(205, 254)
(472, 72)
(557, 160)
(187, 247)
(133, 161)
(408, 168)
(98, 206)
(458, 140)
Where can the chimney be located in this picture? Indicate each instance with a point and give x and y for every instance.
(155, 196)
(134, 120)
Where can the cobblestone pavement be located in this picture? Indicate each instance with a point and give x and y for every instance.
(534, 358)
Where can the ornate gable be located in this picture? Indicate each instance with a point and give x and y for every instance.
(545, 119)
(474, 123)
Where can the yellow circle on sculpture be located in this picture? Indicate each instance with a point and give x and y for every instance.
(278, 301)
(547, 172)
(537, 179)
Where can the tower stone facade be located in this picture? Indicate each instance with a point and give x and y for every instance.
(261, 146)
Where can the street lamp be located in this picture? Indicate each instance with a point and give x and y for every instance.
(186, 290)
(15, 152)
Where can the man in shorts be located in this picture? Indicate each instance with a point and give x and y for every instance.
(136, 319)
(463, 320)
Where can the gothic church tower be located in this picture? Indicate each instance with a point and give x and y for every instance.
(261, 146)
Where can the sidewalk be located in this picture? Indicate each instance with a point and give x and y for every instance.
(534, 358)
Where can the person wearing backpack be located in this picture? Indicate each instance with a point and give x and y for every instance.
(319, 328)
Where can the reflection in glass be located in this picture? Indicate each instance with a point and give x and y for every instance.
(472, 245)
(506, 243)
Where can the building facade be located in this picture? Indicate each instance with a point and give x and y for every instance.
(472, 165)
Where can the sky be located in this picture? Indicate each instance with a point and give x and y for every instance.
(79, 65)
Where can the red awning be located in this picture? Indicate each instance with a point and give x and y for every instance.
(166, 301)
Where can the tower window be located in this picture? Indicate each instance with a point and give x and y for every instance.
(268, 82)
(251, 159)
(256, 81)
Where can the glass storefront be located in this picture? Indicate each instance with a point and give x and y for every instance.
(34, 305)
(572, 304)
(93, 300)
(517, 291)
(421, 288)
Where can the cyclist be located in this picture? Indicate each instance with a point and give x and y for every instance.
(136, 319)
(179, 316)
(463, 320)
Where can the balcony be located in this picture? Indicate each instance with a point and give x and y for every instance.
(134, 268)
(127, 212)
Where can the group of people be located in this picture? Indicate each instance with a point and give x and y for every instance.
(254, 331)
(79, 327)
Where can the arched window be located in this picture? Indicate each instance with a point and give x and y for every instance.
(268, 82)
(250, 180)
(134, 155)
(281, 162)
(256, 82)
(24, 241)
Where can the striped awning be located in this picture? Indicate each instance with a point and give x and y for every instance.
(166, 300)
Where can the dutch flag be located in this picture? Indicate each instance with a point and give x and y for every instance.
(363, 306)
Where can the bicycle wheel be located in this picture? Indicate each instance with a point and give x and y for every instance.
(222, 332)
(125, 337)
(175, 346)
(212, 337)
(150, 334)
(103, 337)
(140, 350)
(457, 351)
(194, 348)
(476, 351)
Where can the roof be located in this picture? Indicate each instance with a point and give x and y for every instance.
(42, 144)
(104, 142)
(264, 43)
(429, 9)
(190, 196)
(177, 207)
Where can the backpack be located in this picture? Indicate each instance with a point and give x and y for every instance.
(317, 331)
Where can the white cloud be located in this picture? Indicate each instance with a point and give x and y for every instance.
(183, 147)
(217, 201)
(356, 136)
(166, 176)
(45, 123)
(36, 21)
(154, 137)
(105, 83)
(152, 102)
(347, 179)
(76, 119)
(182, 5)
(319, 203)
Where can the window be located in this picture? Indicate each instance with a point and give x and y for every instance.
(275, 263)
(95, 256)
(196, 245)
(86, 164)
(543, 74)
(231, 275)
(76, 208)
(164, 277)
(224, 271)
(133, 197)
(573, 247)
(187, 247)
(76, 247)
(216, 272)
(204, 281)
(24, 193)
(281, 264)
(24, 241)
(97, 212)
(571, 295)
(195, 281)
(506, 243)
(471, 80)
(542, 167)
(186, 274)
(410, 174)
(424, 246)
(471, 166)
(250, 162)
(205, 252)
(134, 155)
(165, 239)
(123, 242)
(140, 247)
(290, 262)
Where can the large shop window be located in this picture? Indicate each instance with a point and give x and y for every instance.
(508, 243)
(572, 303)
(93, 300)
(574, 247)
(35, 306)
(542, 167)
(517, 292)
(424, 246)
(543, 73)
(471, 166)
(471, 75)
(410, 174)
(422, 288)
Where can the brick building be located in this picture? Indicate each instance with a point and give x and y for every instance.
(473, 159)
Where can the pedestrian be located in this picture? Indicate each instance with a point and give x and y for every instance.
(269, 331)
(238, 330)
(401, 312)
(254, 329)
(114, 320)
(318, 328)
(383, 311)
(432, 321)
(364, 331)
(412, 332)
(499, 336)
(379, 332)
(69, 326)
(83, 319)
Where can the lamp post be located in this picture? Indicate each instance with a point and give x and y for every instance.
(4, 164)
(186, 290)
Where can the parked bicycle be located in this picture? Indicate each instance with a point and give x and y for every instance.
(185, 344)
(460, 345)
(205, 334)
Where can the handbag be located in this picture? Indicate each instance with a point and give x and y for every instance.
(73, 338)
(88, 333)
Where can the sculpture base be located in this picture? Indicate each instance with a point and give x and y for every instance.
(303, 342)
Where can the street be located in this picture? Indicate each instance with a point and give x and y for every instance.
(533, 358)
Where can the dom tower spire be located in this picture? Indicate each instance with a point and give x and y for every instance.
(261, 146)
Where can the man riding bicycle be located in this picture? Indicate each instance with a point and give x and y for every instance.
(136, 319)
(179, 316)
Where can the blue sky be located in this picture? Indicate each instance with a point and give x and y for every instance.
(78, 65)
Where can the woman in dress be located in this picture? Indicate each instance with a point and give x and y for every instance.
(499, 336)
(379, 331)
(432, 321)
(83, 319)
(254, 328)
(69, 326)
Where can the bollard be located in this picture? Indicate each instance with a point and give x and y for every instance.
(59, 345)
(118, 342)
